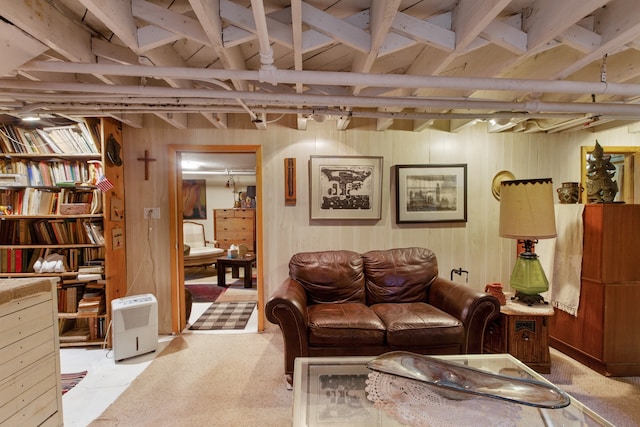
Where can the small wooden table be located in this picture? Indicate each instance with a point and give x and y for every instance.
(246, 261)
(522, 331)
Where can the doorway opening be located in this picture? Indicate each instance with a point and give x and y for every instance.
(176, 210)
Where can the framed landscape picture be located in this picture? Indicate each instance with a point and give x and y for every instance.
(345, 187)
(431, 193)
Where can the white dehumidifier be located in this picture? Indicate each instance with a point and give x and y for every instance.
(135, 325)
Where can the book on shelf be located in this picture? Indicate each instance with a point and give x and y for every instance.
(13, 142)
(89, 276)
(47, 201)
(68, 297)
(91, 304)
(96, 229)
(96, 327)
(12, 260)
(94, 232)
(70, 139)
(91, 269)
(75, 334)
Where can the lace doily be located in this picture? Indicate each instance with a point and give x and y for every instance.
(416, 404)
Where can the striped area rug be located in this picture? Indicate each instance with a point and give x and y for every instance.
(69, 381)
(225, 315)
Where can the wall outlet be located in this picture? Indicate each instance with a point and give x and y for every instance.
(153, 213)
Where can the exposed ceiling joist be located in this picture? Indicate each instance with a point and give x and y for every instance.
(541, 60)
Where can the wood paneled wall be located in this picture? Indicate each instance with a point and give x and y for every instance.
(475, 245)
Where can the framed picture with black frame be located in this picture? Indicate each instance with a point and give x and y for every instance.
(431, 193)
(345, 187)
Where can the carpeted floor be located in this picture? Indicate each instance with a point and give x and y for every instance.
(224, 316)
(208, 380)
(237, 380)
(617, 399)
(69, 381)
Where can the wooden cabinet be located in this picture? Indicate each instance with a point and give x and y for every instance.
(523, 332)
(54, 205)
(30, 389)
(235, 227)
(604, 334)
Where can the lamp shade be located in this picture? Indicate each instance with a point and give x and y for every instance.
(526, 209)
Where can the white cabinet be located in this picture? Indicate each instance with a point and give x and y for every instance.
(30, 389)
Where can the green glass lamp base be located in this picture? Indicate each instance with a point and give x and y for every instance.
(529, 299)
(528, 277)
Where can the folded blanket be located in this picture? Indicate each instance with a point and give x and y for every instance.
(561, 258)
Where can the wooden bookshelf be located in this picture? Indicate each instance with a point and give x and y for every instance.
(51, 208)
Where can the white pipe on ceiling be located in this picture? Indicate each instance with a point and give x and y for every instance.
(335, 78)
(220, 97)
(260, 18)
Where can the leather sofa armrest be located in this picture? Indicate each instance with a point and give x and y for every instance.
(474, 309)
(287, 308)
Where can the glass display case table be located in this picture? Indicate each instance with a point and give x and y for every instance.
(330, 391)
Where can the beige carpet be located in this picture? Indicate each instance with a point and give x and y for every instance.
(209, 380)
(237, 380)
(617, 399)
(238, 294)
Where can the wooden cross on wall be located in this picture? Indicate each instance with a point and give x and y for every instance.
(146, 159)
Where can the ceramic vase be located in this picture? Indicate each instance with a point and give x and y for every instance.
(495, 289)
(569, 192)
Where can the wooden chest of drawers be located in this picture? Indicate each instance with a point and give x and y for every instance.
(30, 390)
(235, 227)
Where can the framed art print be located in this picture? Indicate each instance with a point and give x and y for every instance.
(431, 193)
(194, 194)
(345, 187)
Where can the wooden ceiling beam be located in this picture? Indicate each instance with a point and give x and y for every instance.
(550, 18)
(116, 15)
(336, 28)
(51, 27)
(208, 14)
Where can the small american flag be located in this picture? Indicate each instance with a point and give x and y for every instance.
(104, 184)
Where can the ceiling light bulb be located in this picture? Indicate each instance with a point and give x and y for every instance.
(31, 118)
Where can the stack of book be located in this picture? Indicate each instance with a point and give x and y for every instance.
(90, 273)
(92, 302)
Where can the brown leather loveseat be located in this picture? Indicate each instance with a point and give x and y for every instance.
(338, 303)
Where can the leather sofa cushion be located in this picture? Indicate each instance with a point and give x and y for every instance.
(329, 276)
(419, 325)
(343, 325)
(399, 275)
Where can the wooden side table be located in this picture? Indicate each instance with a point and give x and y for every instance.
(245, 262)
(523, 332)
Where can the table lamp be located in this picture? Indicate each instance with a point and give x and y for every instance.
(526, 214)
